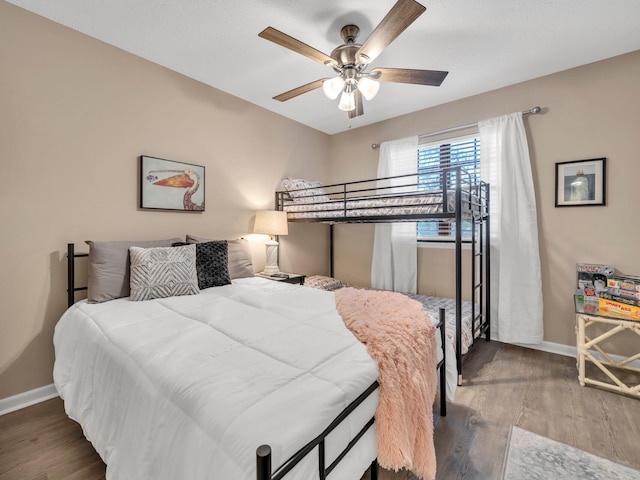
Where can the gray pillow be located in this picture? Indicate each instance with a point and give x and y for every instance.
(108, 272)
(240, 262)
(163, 272)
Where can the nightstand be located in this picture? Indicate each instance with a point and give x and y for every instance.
(292, 278)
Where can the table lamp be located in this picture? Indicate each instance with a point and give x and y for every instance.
(272, 223)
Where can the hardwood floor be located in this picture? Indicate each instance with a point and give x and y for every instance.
(504, 385)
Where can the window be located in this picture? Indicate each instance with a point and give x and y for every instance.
(432, 158)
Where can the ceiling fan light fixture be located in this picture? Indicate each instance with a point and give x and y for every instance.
(368, 87)
(347, 101)
(350, 60)
(333, 87)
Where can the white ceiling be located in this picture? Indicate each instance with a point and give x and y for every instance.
(484, 44)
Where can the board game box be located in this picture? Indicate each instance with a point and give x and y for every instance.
(593, 278)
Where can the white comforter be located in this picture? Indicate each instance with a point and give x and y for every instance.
(187, 388)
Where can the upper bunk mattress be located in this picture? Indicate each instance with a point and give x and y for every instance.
(428, 203)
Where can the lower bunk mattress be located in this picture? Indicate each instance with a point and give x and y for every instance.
(432, 305)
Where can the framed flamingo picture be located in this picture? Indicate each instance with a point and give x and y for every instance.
(171, 185)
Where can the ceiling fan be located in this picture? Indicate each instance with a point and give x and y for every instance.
(351, 59)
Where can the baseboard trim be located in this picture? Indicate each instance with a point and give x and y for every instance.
(551, 347)
(570, 351)
(26, 399)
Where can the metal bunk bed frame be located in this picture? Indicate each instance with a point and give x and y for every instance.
(342, 203)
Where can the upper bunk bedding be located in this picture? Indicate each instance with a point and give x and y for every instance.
(430, 195)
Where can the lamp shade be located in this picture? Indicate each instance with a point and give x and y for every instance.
(271, 222)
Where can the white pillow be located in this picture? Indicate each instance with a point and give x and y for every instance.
(163, 272)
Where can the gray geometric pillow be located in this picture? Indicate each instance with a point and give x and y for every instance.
(163, 272)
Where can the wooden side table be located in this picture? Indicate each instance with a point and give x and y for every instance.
(589, 350)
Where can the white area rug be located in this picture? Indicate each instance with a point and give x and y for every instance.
(534, 457)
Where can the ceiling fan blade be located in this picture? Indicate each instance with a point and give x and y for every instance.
(359, 110)
(297, 46)
(401, 15)
(283, 97)
(407, 75)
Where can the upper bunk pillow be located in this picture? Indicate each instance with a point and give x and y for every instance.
(312, 193)
(239, 256)
(108, 272)
(163, 272)
(212, 263)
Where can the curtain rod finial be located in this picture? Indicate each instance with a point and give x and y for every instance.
(375, 145)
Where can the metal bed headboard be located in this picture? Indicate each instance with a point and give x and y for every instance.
(71, 274)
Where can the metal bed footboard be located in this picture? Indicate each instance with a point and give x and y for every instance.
(263, 453)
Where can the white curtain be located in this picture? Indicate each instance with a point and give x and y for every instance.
(395, 247)
(516, 291)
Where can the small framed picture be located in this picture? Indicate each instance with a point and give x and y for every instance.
(581, 183)
(171, 185)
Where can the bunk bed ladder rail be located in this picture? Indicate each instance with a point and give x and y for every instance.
(458, 257)
(478, 275)
(480, 267)
(71, 274)
(263, 453)
(487, 261)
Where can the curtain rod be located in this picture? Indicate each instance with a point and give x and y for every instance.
(532, 111)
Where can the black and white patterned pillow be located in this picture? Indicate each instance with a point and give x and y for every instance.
(304, 191)
(163, 272)
(212, 263)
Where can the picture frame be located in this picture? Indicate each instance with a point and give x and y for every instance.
(581, 183)
(171, 185)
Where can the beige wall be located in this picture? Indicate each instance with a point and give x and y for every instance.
(588, 112)
(75, 114)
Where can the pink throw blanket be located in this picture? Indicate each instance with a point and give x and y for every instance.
(400, 336)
